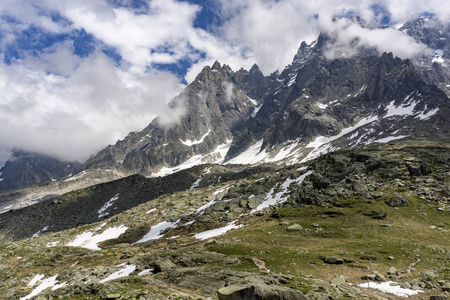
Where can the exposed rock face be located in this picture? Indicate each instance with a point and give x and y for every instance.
(337, 103)
(25, 168)
(102, 201)
(213, 106)
(318, 97)
(259, 292)
(397, 202)
(436, 35)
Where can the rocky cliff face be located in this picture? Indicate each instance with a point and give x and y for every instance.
(314, 105)
(433, 66)
(214, 105)
(25, 168)
(323, 103)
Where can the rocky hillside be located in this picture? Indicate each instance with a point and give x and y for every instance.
(366, 223)
(101, 201)
(25, 169)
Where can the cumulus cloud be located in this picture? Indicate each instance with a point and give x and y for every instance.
(350, 37)
(228, 88)
(271, 31)
(73, 116)
(404, 10)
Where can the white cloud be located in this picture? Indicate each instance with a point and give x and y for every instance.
(73, 116)
(228, 88)
(351, 37)
(272, 30)
(404, 10)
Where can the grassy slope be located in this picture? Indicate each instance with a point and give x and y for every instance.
(346, 232)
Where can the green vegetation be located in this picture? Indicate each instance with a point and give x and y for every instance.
(353, 222)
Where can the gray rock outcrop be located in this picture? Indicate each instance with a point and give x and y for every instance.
(259, 292)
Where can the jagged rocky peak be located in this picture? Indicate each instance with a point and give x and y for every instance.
(429, 30)
(316, 97)
(255, 71)
(216, 71)
(433, 65)
(214, 106)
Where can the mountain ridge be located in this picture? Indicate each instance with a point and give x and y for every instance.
(299, 104)
(313, 97)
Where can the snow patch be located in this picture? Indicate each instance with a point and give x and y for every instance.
(292, 80)
(78, 176)
(283, 153)
(407, 108)
(121, 273)
(218, 231)
(196, 183)
(151, 210)
(438, 56)
(321, 143)
(220, 190)
(45, 284)
(52, 244)
(252, 155)
(272, 199)
(7, 207)
(215, 157)
(89, 241)
(202, 209)
(102, 211)
(390, 138)
(36, 279)
(146, 271)
(41, 231)
(255, 111)
(253, 101)
(192, 143)
(390, 287)
(155, 231)
(321, 105)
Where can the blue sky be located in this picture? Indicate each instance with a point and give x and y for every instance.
(76, 76)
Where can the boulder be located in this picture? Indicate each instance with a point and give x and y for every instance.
(295, 227)
(392, 271)
(419, 170)
(163, 265)
(438, 297)
(259, 292)
(374, 277)
(446, 287)
(397, 202)
(338, 280)
(429, 276)
(333, 260)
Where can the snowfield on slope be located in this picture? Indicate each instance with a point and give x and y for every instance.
(90, 240)
(217, 231)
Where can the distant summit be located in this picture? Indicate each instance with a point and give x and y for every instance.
(27, 168)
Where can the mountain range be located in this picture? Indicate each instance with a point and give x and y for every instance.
(327, 164)
(311, 106)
